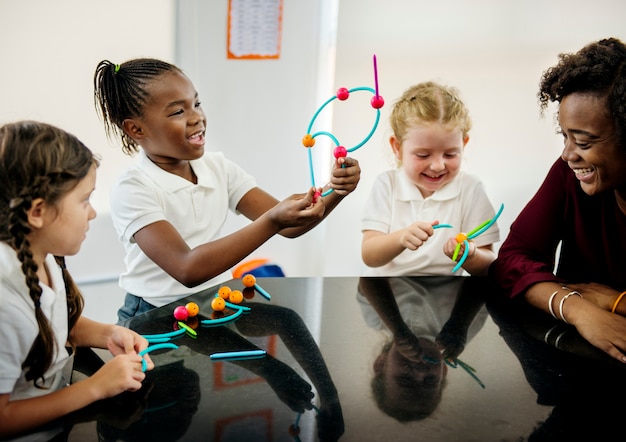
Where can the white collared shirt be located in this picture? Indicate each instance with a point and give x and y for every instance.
(19, 328)
(395, 203)
(145, 193)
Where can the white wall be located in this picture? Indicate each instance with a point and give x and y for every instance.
(493, 51)
(49, 53)
(258, 110)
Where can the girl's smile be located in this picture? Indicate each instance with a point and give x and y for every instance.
(430, 155)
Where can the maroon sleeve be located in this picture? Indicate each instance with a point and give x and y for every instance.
(527, 256)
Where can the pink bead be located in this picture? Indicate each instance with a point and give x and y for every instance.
(340, 152)
(377, 102)
(181, 313)
(343, 93)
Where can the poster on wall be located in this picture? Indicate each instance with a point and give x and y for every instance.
(254, 29)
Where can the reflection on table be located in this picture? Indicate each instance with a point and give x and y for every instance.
(366, 359)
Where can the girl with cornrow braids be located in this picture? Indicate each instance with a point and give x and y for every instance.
(46, 179)
(169, 208)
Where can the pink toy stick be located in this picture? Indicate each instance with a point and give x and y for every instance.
(375, 76)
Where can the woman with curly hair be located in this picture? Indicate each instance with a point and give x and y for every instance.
(580, 209)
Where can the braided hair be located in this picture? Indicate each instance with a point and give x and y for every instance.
(598, 68)
(122, 90)
(38, 160)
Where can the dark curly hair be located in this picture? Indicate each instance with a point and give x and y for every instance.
(38, 160)
(598, 68)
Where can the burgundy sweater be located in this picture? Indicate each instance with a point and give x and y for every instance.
(591, 229)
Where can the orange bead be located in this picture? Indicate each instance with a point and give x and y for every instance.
(224, 292)
(218, 304)
(461, 237)
(235, 297)
(192, 309)
(308, 141)
(248, 280)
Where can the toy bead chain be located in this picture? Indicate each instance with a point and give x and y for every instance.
(340, 151)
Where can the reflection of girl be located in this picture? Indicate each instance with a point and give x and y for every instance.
(170, 405)
(425, 322)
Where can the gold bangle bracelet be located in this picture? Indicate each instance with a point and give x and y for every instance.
(619, 298)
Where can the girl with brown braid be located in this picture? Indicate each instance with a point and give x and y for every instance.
(46, 179)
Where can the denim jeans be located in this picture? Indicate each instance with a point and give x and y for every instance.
(133, 306)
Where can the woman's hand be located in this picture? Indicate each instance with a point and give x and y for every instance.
(601, 328)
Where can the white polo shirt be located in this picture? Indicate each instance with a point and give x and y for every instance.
(395, 203)
(145, 193)
(18, 329)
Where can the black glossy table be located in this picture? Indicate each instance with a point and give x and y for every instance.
(369, 349)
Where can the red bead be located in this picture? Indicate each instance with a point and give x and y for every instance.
(343, 93)
(181, 313)
(377, 102)
(340, 152)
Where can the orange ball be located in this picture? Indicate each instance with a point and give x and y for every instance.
(218, 304)
(308, 141)
(224, 292)
(461, 237)
(192, 309)
(248, 280)
(235, 297)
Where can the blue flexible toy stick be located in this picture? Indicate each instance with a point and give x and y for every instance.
(144, 364)
(164, 337)
(221, 321)
(238, 355)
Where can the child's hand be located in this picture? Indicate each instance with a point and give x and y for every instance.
(346, 174)
(451, 244)
(122, 373)
(298, 210)
(414, 236)
(125, 341)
